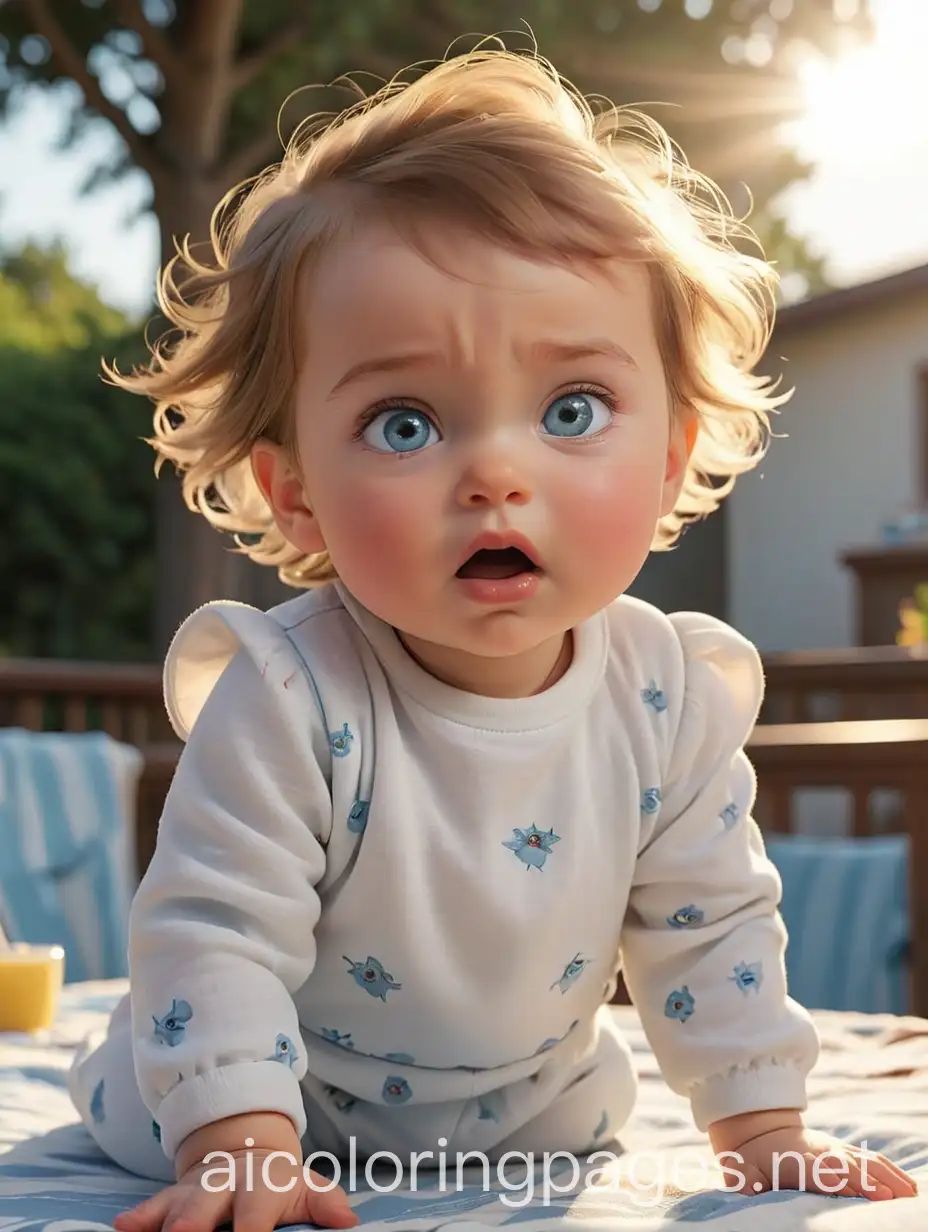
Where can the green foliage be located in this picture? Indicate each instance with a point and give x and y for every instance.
(76, 486)
(43, 307)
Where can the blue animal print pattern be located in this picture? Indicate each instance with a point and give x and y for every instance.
(490, 1106)
(651, 800)
(396, 1090)
(340, 742)
(284, 1051)
(341, 1100)
(654, 697)
(686, 917)
(400, 1058)
(343, 1040)
(97, 1111)
(571, 973)
(680, 1004)
(748, 976)
(371, 976)
(601, 1127)
(357, 818)
(730, 815)
(548, 1044)
(170, 1029)
(532, 846)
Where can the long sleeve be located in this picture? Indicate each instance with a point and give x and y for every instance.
(703, 944)
(222, 926)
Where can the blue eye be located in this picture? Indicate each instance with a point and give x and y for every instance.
(401, 431)
(571, 415)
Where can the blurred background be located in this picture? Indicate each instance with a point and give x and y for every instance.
(123, 121)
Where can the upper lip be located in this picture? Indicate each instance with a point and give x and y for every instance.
(492, 540)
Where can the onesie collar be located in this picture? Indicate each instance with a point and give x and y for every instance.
(566, 697)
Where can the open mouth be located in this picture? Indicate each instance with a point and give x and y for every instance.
(495, 563)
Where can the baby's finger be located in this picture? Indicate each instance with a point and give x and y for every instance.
(878, 1173)
(329, 1207)
(837, 1173)
(742, 1177)
(198, 1210)
(147, 1216)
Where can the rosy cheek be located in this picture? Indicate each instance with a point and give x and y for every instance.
(612, 513)
(373, 532)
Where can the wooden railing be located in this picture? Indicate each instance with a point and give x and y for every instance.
(123, 699)
(865, 682)
(879, 682)
(861, 757)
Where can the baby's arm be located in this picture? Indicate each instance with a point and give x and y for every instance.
(222, 927)
(703, 944)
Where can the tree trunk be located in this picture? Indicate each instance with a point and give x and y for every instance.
(195, 563)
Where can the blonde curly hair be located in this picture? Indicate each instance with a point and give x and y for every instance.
(499, 142)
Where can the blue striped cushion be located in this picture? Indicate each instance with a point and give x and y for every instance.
(845, 905)
(67, 855)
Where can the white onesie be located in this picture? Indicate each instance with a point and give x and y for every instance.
(380, 896)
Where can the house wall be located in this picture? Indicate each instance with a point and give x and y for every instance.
(847, 465)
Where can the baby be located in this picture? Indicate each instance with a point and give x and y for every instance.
(461, 361)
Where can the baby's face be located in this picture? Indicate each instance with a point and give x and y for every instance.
(506, 403)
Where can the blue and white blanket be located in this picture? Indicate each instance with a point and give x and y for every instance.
(871, 1086)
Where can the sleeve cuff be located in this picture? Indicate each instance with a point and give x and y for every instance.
(250, 1086)
(753, 1088)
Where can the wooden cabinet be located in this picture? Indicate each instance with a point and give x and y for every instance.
(884, 577)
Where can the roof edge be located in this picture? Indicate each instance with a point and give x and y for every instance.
(847, 299)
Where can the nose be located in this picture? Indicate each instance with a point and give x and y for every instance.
(493, 477)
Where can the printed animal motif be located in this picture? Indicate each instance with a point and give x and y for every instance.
(97, 1110)
(571, 973)
(748, 976)
(341, 1100)
(340, 742)
(686, 917)
(284, 1051)
(654, 697)
(336, 1037)
(730, 815)
(170, 1029)
(371, 976)
(396, 1090)
(357, 818)
(651, 800)
(681, 1004)
(532, 846)
(490, 1106)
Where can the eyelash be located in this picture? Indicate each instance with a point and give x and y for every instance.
(366, 418)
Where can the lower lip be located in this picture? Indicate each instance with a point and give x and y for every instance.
(500, 590)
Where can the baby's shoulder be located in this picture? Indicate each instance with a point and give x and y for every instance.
(682, 658)
(271, 651)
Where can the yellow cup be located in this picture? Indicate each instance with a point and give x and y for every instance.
(31, 977)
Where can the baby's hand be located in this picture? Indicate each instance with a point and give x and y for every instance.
(203, 1198)
(793, 1157)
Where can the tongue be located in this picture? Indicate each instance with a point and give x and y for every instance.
(499, 563)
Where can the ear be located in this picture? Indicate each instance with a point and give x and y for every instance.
(282, 487)
(683, 433)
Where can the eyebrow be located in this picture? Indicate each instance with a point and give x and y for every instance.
(565, 352)
(560, 352)
(386, 363)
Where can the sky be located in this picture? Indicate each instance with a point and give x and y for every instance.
(865, 208)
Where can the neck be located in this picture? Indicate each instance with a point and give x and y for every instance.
(520, 675)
